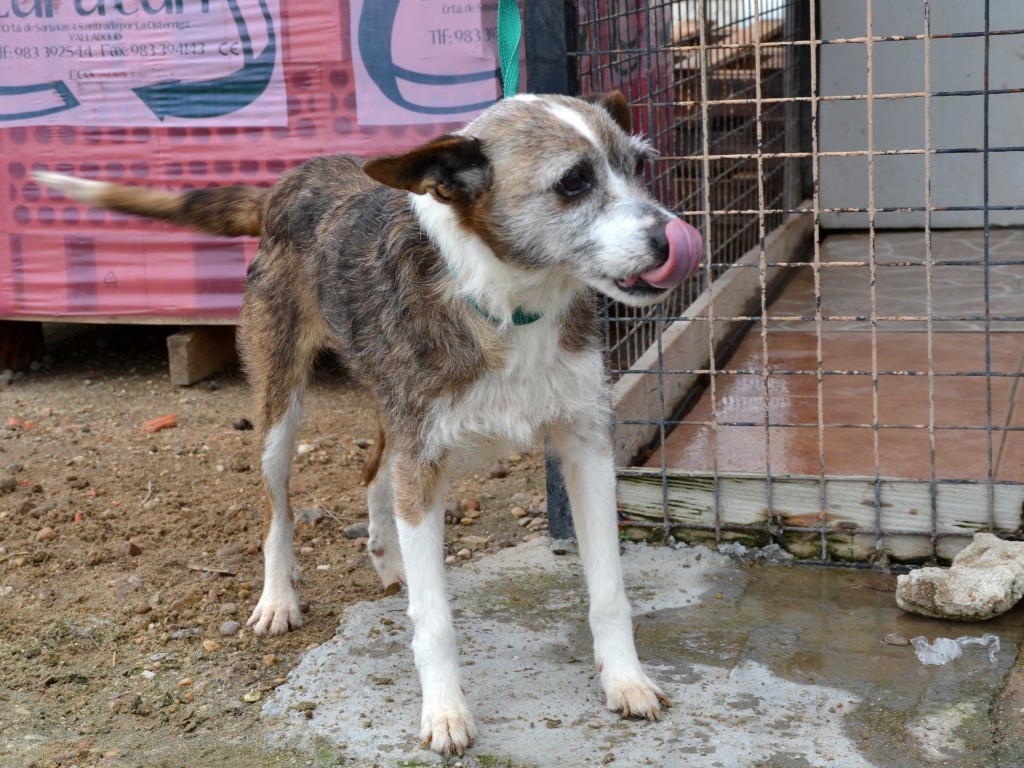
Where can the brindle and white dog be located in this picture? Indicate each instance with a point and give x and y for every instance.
(455, 281)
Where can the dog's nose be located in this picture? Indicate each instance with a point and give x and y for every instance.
(659, 244)
(683, 252)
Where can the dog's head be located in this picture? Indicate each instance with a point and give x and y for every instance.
(556, 183)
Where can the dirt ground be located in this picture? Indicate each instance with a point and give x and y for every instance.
(126, 555)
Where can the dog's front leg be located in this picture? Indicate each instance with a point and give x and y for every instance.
(446, 725)
(584, 448)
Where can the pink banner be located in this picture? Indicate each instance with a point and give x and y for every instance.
(141, 62)
(418, 60)
(279, 87)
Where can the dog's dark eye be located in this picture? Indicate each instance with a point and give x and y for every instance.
(575, 182)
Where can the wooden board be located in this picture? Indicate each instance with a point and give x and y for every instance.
(849, 509)
(764, 31)
(686, 344)
(196, 353)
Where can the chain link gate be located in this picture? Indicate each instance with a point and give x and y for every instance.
(841, 377)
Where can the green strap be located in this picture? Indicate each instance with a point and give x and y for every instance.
(519, 317)
(510, 32)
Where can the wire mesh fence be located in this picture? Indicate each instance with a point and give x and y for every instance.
(842, 377)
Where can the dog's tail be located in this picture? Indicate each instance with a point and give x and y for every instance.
(228, 211)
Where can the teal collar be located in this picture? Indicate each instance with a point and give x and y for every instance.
(519, 317)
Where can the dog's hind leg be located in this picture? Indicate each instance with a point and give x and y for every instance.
(446, 724)
(383, 546)
(584, 447)
(278, 355)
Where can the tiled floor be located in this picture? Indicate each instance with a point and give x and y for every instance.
(832, 427)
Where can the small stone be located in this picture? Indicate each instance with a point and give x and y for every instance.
(893, 639)
(497, 471)
(252, 696)
(185, 682)
(533, 536)
(241, 425)
(453, 512)
(464, 553)
(524, 521)
(230, 549)
(229, 628)
(211, 646)
(308, 515)
(45, 413)
(470, 504)
(985, 580)
(228, 608)
(131, 549)
(305, 448)
(7, 485)
(467, 521)
(522, 499)
(307, 550)
(518, 512)
(46, 534)
(148, 674)
(270, 660)
(449, 560)
(160, 423)
(473, 514)
(357, 531)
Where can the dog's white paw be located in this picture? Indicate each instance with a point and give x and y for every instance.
(276, 616)
(635, 697)
(448, 731)
(387, 560)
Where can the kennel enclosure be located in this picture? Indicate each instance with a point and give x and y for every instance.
(841, 379)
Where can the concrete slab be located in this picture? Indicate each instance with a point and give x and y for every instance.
(766, 666)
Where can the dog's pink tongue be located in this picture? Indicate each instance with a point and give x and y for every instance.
(685, 248)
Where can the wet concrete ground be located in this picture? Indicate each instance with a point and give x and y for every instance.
(767, 665)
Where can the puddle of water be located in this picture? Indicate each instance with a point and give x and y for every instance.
(823, 626)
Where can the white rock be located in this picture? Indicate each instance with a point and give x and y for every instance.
(986, 579)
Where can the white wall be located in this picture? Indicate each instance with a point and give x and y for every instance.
(956, 121)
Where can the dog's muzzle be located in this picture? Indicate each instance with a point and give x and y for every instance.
(683, 247)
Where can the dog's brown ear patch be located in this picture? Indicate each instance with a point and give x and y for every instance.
(451, 168)
(615, 104)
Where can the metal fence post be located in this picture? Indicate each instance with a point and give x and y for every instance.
(551, 33)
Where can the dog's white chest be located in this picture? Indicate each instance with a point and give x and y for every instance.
(539, 384)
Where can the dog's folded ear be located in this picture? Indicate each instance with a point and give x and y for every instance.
(615, 104)
(451, 168)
